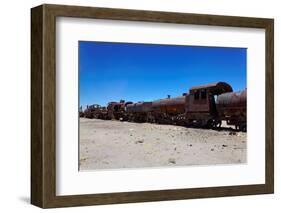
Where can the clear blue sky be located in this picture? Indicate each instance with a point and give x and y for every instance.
(143, 72)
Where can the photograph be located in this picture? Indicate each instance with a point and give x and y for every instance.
(156, 100)
(159, 105)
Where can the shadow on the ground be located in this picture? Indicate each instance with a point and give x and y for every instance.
(24, 199)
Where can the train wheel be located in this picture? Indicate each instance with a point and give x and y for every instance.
(210, 124)
(243, 127)
(216, 124)
(188, 123)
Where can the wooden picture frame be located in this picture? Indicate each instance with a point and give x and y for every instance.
(43, 105)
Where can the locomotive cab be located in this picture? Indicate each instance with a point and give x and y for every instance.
(200, 103)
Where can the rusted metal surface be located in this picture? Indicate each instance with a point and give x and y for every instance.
(216, 88)
(117, 110)
(138, 112)
(139, 107)
(167, 111)
(170, 105)
(233, 99)
(232, 107)
(114, 106)
(92, 111)
(200, 103)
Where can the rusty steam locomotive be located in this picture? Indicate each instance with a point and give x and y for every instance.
(204, 106)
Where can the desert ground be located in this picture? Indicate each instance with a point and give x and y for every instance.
(106, 144)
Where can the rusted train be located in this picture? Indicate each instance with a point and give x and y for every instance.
(203, 106)
(96, 111)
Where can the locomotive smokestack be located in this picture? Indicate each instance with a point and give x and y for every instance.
(168, 96)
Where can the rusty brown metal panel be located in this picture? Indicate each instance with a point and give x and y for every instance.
(215, 88)
(232, 107)
(198, 105)
(139, 107)
(233, 99)
(172, 105)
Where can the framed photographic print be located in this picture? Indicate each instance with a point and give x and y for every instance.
(136, 106)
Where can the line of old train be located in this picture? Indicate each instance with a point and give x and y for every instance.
(204, 106)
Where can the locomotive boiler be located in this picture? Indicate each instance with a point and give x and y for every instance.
(232, 107)
(138, 112)
(169, 110)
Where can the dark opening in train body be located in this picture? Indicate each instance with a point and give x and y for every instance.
(203, 106)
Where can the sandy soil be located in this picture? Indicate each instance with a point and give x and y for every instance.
(115, 144)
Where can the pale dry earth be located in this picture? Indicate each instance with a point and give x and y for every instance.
(113, 145)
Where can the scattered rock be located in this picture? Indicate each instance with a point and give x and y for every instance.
(83, 159)
(212, 150)
(139, 141)
(172, 160)
(224, 145)
(238, 148)
(232, 133)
